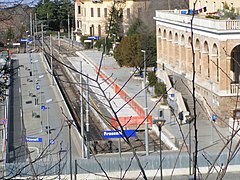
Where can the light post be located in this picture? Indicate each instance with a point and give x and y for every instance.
(48, 125)
(51, 58)
(87, 118)
(59, 165)
(26, 41)
(69, 122)
(114, 42)
(33, 74)
(40, 96)
(81, 109)
(160, 123)
(69, 38)
(59, 41)
(42, 37)
(189, 119)
(146, 107)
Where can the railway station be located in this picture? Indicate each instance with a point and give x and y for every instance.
(51, 89)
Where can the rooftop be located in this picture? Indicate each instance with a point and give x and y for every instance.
(181, 17)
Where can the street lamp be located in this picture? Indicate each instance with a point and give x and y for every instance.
(69, 123)
(160, 123)
(146, 107)
(40, 96)
(189, 120)
(48, 125)
(114, 42)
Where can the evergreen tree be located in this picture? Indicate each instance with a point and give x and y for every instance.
(55, 13)
(115, 21)
(128, 53)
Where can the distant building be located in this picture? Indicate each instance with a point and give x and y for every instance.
(92, 15)
(216, 45)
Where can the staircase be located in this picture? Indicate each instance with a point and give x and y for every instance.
(185, 88)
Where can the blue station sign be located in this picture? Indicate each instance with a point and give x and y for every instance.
(43, 108)
(93, 37)
(118, 134)
(33, 139)
(26, 40)
(37, 87)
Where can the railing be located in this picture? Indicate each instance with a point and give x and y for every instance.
(199, 21)
(232, 24)
(234, 88)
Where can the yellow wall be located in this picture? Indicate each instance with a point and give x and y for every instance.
(88, 21)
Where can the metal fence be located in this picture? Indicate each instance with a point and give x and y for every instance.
(113, 163)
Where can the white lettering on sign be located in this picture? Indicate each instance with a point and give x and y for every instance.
(112, 133)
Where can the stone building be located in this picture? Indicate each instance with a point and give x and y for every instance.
(92, 15)
(216, 47)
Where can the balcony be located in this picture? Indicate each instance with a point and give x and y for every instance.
(200, 22)
(234, 88)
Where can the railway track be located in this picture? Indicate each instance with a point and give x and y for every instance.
(69, 89)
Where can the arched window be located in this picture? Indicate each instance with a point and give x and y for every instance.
(215, 53)
(206, 50)
(189, 41)
(182, 40)
(176, 38)
(159, 32)
(198, 54)
(92, 30)
(214, 6)
(235, 61)
(164, 34)
(170, 35)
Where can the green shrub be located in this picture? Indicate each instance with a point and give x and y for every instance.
(160, 89)
(152, 79)
(212, 17)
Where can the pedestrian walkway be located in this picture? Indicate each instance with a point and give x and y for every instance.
(209, 135)
(44, 119)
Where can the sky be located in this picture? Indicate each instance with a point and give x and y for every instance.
(14, 2)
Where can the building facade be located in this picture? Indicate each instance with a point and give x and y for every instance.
(92, 15)
(216, 47)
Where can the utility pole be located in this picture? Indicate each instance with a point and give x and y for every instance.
(51, 58)
(31, 25)
(87, 118)
(69, 29)
(33, 31)
(48, 129)
(72, 35)
(59, 42)
(145, 107)
(81, 109)
(42, 37)
(35, 18)
(105, 45)
(70, 148)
